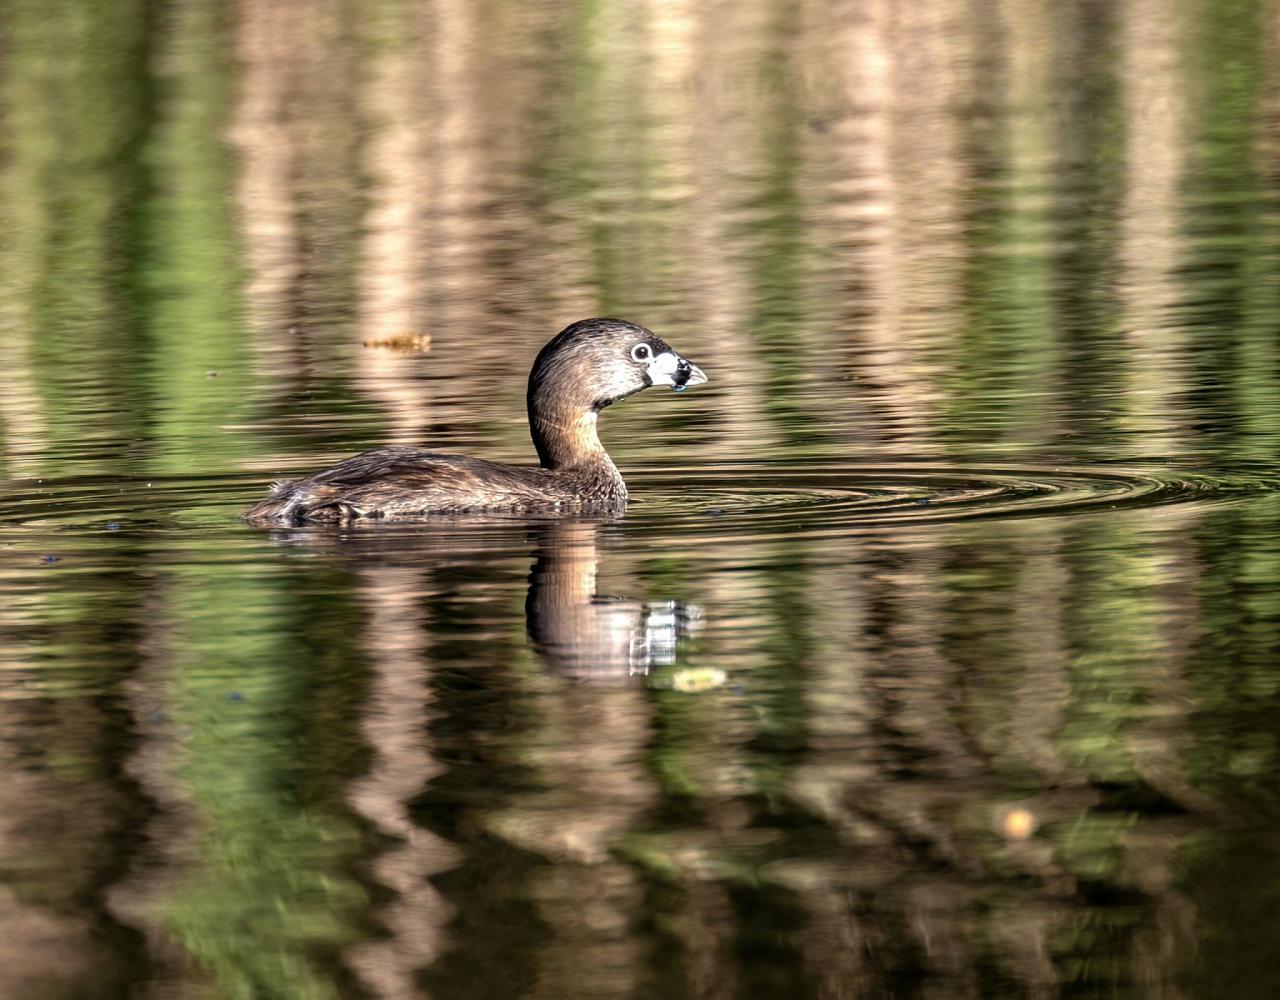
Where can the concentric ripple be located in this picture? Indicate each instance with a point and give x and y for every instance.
(839, 498)
(759, 498)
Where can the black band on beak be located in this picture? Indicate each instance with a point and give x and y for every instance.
(682, 373)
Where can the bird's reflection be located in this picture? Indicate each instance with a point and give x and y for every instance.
(590, 636)
(579, 633)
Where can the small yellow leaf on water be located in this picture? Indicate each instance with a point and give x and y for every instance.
(1019, 824)
(695, 679)
(402, 342)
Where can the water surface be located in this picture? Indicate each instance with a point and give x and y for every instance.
(936, 655)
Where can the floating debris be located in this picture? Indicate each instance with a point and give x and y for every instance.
(403, 342)
(693, 680)
(1019, 824)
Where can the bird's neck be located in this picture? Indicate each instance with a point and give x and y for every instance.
(567, 438)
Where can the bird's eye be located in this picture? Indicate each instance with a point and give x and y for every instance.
(640, 352)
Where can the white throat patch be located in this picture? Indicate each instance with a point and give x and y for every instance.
(662, 369)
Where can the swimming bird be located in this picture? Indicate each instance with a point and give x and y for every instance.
(587, 366)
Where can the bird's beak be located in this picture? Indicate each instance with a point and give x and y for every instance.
(669, 368)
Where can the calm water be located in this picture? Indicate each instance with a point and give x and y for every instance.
(939, 653)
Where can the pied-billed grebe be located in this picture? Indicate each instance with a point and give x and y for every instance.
(587, 366)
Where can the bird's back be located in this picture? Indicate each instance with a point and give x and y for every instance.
(412, 482)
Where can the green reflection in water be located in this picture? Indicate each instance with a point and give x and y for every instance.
(1001, 361)
(195, 351)
(780, 256)
(74, 90)
(264, 710)
(492, 707)
(1231, 219)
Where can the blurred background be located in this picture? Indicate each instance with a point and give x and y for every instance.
(937, 655)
